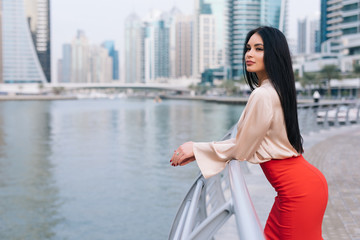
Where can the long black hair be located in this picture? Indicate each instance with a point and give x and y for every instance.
(278, 66)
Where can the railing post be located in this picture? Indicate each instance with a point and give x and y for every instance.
(248, 223)
(326, 118)
(347, 122)
(336, 119)
(190, 218)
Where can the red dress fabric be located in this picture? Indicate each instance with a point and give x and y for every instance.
(301, 200)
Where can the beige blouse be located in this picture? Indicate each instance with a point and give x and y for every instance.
(261, 135)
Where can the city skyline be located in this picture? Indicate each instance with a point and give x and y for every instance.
(108, 22)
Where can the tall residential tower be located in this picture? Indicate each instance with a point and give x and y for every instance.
(243, 16)
(134, 50)
(340, 32)
(25, 41)
(38, 18)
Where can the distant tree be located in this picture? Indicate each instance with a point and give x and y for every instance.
(200, 88)
(306, 81)
(356, 68)
(230, 87)
(58, 90)
(330, 72)
(41, 87)
(357, 73)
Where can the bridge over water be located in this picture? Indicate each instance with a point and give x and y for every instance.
(140, 86)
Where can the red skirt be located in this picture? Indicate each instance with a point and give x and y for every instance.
(301, 200)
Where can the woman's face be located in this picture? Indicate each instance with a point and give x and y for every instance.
(254, 56)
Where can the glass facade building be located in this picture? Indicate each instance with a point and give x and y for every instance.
(38, 16)
(340, 32)
(243, 16)
(114, 54)
(134, 50)
(339, 20)
(66, 63)
(162, 51)
(21, 62)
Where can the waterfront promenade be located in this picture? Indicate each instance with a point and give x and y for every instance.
(336, 153)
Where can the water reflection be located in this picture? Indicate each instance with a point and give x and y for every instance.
(28, 194)
(98, 169)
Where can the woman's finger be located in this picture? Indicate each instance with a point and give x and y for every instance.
(187, 160)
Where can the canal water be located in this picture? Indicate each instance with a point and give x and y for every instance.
(99, 169)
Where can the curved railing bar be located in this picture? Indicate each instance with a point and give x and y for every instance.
(247, 221)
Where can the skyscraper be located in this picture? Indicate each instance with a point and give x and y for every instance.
(176, 16)
(66, 64)
(100, 65)
(206, 53)
(157, 46)
(114, 54)
(38, 17)
(134, 50)
(1, 54)
(339, 19)
(301, 42)
(309, 35)
(182, 63)
(243, 16)
(21, 62)
(340, 31)
(80, 56)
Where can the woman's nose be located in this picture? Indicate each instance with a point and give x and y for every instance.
(249, 53)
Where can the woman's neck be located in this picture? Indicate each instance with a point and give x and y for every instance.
(262, 76)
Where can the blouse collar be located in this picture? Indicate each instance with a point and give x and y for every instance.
(265, 81)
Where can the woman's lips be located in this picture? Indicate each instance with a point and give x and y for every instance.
(250, 63)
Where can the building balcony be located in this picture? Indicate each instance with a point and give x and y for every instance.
(334, 28)
(335, 7)
(334, 2)
(334, 14)
(334, 34)
(336, 20)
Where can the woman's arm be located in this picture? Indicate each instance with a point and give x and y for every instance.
(183, 155)
(253, 125)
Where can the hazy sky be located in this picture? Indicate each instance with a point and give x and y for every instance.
(104, 20)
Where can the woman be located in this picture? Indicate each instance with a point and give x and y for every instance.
(268, 134)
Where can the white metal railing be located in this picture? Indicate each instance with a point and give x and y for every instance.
(205, 208)
(314, 117)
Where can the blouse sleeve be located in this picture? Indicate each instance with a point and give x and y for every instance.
(253, 125)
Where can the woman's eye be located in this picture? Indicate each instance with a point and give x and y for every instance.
(248, 49)
(259, 49)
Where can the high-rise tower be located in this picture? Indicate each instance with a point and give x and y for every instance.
(21, 59)
(243, 16)
(340, 32)
(134, 50)
(114, 54)
(38, 17)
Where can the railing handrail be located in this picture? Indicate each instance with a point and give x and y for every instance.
(189, 226)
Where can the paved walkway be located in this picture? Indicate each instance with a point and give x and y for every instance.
(338, 158)
(336, 152)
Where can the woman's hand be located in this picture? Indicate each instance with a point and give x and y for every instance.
(183, 155)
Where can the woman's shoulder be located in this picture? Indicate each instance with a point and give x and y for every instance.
(265, 90)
